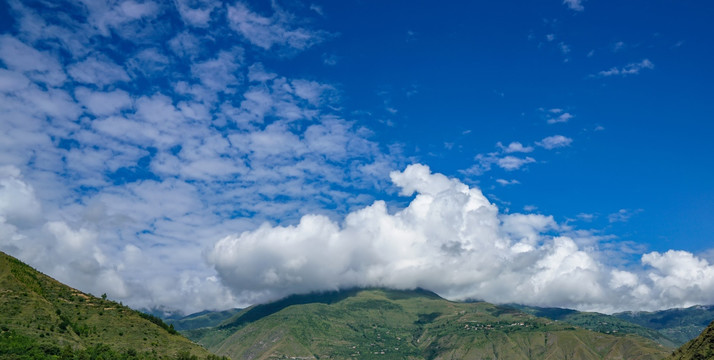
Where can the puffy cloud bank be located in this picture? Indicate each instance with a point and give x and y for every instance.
(452, 240)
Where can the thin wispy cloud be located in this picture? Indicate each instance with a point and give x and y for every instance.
(629, 69)
(576, 5)
(504, 182)
(275, 31)
(622, 215)
(556, 116)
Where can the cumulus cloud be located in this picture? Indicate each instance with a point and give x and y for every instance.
(451, 239)
(554, 142)
(679, 278)
(514, 147)
(69, 254)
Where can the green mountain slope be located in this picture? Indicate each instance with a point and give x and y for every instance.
(390, 324)
(700, 348)
(40, 318)
(680, 325)
(602, 323)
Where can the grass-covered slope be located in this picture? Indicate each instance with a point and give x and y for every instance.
(680, 325)
(390, 324)
(40, 318)
(700, 348)
(602, 323)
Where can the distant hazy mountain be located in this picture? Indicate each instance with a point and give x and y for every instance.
(391, 324)
(608, 324)
(201, 319)
(680, 325)
(41, 318)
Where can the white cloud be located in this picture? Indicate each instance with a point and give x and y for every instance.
(514, 147)
(70, 255)
(505, 182)
(564, 48)
(126, 18)
(186, 45)
(554, 142)
(622, 215)
(330, 59)
(318, 9)
(451, 239)
(561, 118)
(219, 73)
(511, 163)
(11, 81)
(150, 62)
(485, 162)
(103, 103)
(277, 30)
(679, 278)
(18, 204)
(618, 46)
(586, 217)
(96, 71)
(629, 69)
(576, 5)
(196, 12)
(35, 64)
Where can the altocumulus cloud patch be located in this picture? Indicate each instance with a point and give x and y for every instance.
(135, 134)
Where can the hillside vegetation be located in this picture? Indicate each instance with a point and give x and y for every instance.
(41, 318)
(391, 324)
(602, 323)
(700, 348)
(680, 325)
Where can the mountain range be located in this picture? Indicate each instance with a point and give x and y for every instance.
(41, 318)
(416, 324)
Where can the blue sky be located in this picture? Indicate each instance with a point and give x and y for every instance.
(235, 152)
